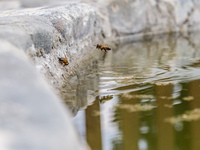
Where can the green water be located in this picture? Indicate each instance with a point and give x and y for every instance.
(144, 95)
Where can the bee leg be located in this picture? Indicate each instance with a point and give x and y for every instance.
(63, 76)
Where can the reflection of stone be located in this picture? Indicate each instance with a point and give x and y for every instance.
(139, 96)
(150, 59)
(136, 107)
(188, 98)
(80, 90)
(93, 126)
(192, 115)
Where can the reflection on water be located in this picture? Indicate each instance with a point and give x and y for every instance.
(142, 96)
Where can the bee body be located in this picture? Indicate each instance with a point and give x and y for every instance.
(105, 98)
(63, 60)
(102, 47)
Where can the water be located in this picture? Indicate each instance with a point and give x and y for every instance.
(144, 95)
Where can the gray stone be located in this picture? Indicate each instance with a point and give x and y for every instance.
(24, 31)
(9, 5)
(70, 30)
(135, 16)
(32, 117)
(53, 32)
(138, 16)
(39, 3)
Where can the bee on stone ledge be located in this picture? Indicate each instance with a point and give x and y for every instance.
(102, 47)
(63, 61)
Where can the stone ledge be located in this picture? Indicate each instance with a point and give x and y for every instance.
(47, 33)
(32, 117)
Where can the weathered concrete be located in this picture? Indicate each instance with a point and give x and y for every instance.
(32, 117)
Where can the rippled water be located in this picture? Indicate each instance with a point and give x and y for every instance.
(144, 95)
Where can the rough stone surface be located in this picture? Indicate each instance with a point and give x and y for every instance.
(136, 16)
(153, 16)
(47, 33)
(32, 117)
(44, 34)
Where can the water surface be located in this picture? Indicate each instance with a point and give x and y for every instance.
(144, 95)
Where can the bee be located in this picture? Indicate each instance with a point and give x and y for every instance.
(105, 98)
(63, 61)
(102, 47)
